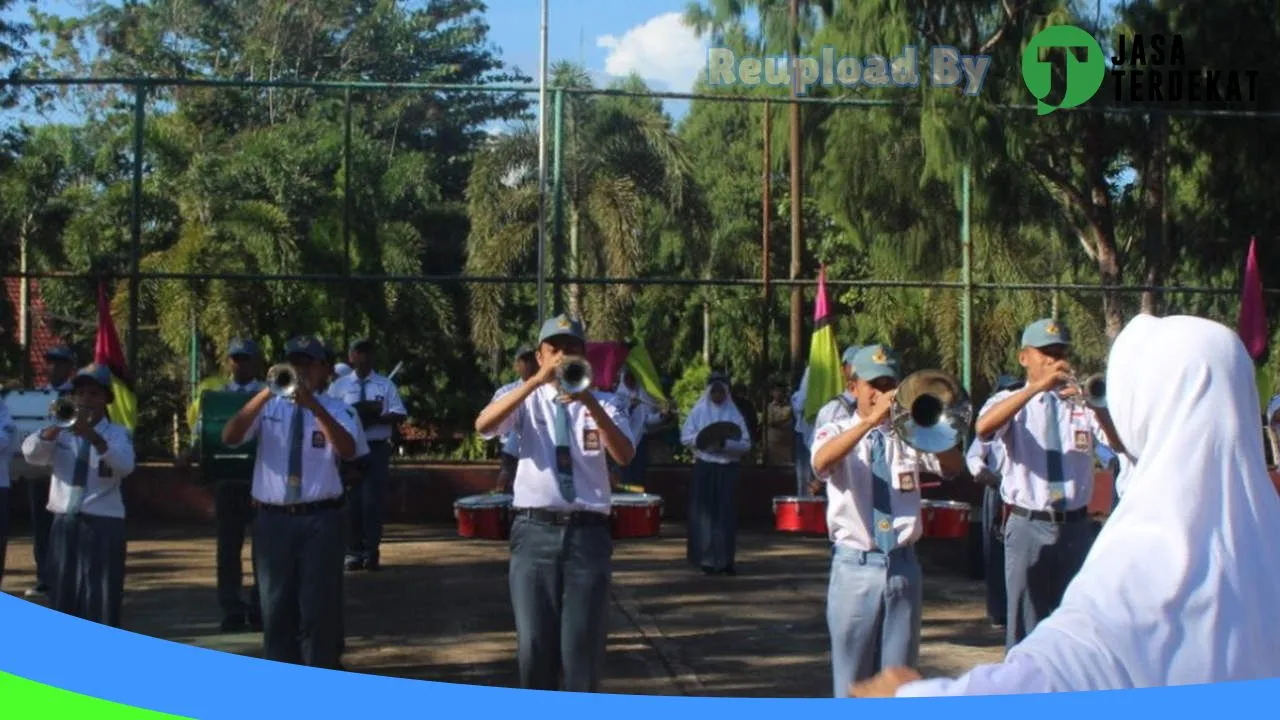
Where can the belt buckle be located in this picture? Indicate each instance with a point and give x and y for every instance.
(563, 517)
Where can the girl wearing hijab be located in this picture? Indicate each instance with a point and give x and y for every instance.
(1182, 584)
(713, 496)
(645, 417)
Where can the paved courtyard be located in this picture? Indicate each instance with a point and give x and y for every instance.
(439, 610)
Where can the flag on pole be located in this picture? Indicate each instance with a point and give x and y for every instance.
(1252, 324)
(107, 352)
(641, 366)
(824, 356)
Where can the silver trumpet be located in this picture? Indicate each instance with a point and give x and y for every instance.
(64, 412)
(931, 411)
(283, 380)
(1091, 392)
(574, 375)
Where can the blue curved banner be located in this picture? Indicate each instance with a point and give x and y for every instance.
(56, 650)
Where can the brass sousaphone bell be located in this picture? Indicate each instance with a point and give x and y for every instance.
(931, 411)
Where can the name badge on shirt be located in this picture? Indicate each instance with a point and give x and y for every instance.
(317, 439)
(590, 440)
(907, 481)
(1082, 440)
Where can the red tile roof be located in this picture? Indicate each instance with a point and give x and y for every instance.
(42, 339)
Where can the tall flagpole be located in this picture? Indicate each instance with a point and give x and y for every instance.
(542, 173)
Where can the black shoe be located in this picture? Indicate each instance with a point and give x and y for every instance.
(354, 563)
(233, 622)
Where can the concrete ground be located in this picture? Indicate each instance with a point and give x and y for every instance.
(439, 610)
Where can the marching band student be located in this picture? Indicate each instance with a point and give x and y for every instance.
(298, 534)
(1184, 581)
(526, 365)
(561, 543)
(86, 539)
(62, 365)
(8, 443)
(645, 417)
(1047, 481)
(986, 462)
(233, 505)
(803, 434)
(378, 404)
(873, 514)
(713, 494)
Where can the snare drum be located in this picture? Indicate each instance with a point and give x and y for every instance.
(792, 513)
(486, 517)
(636, 515)
(945, 519)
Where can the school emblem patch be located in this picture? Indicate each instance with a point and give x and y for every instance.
(1082, 440)
(591, 440)
(1056, 495)
(317, 439)
(564, 323)
(878, 357)
(885, 526)
(1051, 329)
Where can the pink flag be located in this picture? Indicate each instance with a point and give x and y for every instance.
(607, 360)
(1252, 325)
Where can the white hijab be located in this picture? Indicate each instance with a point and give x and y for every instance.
(705, 411)
(1183, 583)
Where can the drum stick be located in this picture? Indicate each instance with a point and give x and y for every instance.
(396, 369)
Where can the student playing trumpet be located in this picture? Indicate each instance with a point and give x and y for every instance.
(873, 514)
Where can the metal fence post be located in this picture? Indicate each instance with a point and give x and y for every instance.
(135, 221)
(966, 309)
(557, 204)
(346, 217)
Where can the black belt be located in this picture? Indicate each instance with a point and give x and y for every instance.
(563, 517)
(1050, 515)
(309, 508)
(383, 441)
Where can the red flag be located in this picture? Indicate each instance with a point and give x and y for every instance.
(123, 409)
(607, 360)
(1252, 324)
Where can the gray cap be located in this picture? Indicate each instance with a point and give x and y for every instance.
(874, 362)
(1043, 333)
(242, 346)
(561, 325)
(524, 351)
(849, 353)
(306, 345)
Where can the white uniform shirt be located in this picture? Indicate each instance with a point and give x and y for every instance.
(273, 429)
(510, 441)
(102, 487)
(840, 407)
(849, 487)
(536, 484)
(1025, 480)
(8, 443)
(377, 387)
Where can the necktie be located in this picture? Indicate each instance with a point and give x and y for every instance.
(79, 479)
(363, 382)
(564, 459)
(881, 496)
(1053, 454)
(293, 484)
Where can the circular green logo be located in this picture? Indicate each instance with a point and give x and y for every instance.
(1083, 77)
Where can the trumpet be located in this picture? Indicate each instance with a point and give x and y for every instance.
(574, 375)
(1091, 392)
(931, 411)
(64, 412)
(283, 380)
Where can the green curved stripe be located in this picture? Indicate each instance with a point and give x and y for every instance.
(21, 698)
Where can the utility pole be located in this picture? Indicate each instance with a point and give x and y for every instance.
(797, 202)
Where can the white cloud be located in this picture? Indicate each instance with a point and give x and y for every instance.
(662, 50)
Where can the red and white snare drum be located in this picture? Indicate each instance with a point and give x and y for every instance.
(945, 519)
(792, 513)
(484, 516)
(636, 515)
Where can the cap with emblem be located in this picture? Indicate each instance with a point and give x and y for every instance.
(561, 325)
(242, 347)
(60, 352)
(1043, 333)
(99, 374)
(874, 362)
(849, 353)
(306, 345)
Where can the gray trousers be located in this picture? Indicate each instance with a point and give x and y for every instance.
(86, 562)
(559, 578)
(1040, 559)
(874, 607)
(233, 508)
(41, 521)
(366, 503)
(300, 581)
